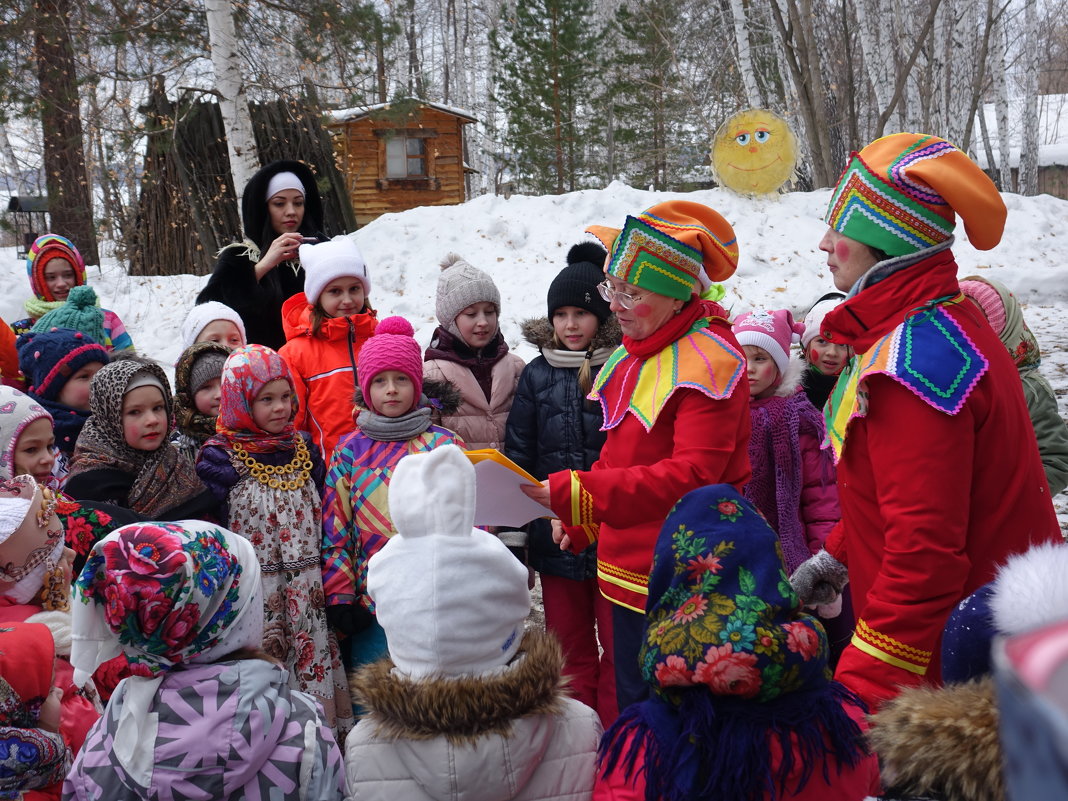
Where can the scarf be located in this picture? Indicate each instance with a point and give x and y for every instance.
(451, 348)
(573, 359)
(396, 429)
(162, 479)
(33, 757)
(191, 422)
(246, 372)
(17, 411)
(732, 661)
(642, 375)
(67, 423)
(775, 455)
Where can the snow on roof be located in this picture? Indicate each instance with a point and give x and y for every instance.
(1052, 130)
(355, 113)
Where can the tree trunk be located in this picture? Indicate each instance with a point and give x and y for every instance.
(1001, 102)
(233, 103)
(558, 132)
(415, 75)
(11, 162)
(745, 59)
(1029, 117)
(69, 197)
(878, 54)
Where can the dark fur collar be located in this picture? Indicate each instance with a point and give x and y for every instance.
(443, 394)
(538, 331)
(463, 710)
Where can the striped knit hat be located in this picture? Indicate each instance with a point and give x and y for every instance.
(45, 248)
(900, 195)
(676, 249)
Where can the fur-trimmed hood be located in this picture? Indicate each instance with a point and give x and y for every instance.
(795, 371)
(538, 331)
(941, 742)
(443, 395)
(465, 709)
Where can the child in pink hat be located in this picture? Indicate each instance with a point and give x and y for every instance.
(793, 483)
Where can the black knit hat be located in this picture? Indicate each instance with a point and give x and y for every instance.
(576, 284)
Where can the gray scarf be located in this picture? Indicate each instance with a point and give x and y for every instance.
(395, 429)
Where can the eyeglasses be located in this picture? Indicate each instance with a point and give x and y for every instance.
(604, 289)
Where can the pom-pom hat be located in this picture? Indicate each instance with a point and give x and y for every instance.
(391, 347)
(45, 248)
(460, 285)
(900, 195)
(771, 330)
(48, 359)
(451, 598)
(337, 258)
(81, 312)
(676, 249)
(576, 284)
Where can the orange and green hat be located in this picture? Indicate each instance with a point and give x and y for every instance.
(901, 194)
(676, 249)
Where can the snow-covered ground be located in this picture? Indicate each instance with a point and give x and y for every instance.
(522, 243)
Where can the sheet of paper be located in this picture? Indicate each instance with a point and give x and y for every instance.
(498, 499)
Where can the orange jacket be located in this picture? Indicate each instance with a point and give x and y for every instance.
(324, 369)
(9, 360)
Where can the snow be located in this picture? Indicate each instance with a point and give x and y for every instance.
(522, 242)
(1052, 130)
(346, 114)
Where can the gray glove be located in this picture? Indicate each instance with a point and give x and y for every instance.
(819, 579)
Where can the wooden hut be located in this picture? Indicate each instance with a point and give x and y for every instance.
(400, 155)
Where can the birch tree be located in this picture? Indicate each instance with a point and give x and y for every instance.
(230, 87)
(753, 95)
(1028, 180)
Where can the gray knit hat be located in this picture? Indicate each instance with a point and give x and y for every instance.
(208, 366)
(459, 286)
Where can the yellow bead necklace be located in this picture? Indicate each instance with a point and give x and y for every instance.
(270, 474)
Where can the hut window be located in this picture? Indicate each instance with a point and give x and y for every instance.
(405, 157)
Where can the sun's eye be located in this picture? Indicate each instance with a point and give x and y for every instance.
(762, 136)
(742, 139)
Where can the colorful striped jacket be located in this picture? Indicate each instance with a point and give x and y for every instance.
(356, 521)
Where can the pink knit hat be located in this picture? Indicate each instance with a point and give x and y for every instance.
(771, 330)
(391, 347)
(989, 301)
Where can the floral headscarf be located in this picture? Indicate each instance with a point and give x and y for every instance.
(732, 660)
(165, 594)
(33, 757)
(17, 411)
(162, 478)
(31, 540)
(247, 371)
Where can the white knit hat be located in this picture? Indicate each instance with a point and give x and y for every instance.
(203, 314)
(814, 318)
(451, 598)
(336, 258)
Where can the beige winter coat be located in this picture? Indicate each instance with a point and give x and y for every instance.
(478, 422)
(509, 736)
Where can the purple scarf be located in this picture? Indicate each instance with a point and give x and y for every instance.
(775, 455)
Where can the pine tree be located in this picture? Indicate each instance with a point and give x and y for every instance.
(548, 64)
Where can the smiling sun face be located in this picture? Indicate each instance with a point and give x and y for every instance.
(754, 152)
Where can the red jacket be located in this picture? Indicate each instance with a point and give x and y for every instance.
(932, 500)
(324, 369)
(640, 474)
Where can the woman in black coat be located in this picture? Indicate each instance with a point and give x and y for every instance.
(280, 208)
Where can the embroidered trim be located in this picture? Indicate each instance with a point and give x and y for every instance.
(887, 649)
(639, 581)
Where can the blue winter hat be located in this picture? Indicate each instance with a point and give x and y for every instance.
(968, 636)
(48, 359)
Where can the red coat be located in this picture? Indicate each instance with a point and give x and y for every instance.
(695, 440)
(324, 369)
(932, 500)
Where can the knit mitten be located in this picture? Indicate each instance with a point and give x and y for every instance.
(819, 579)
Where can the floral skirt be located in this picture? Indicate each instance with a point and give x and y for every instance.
(285, 527)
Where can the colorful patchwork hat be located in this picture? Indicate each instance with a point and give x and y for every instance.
(45, 248)
(900, 194)
(675, 249)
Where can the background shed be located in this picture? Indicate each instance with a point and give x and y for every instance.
(400, 155)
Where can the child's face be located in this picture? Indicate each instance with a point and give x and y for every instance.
(75, 392)
(392, 393)
(144, 418)
(763, 374)
(575, 327)
(273, 406)
(35, 450)
(342, 297)
(60, 278)
(223, 332)
(286, 210)
(477, 324)
(208, 397)
(827, 357)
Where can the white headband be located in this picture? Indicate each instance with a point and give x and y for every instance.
(282, 181)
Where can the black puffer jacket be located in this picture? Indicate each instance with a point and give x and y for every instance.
(233, 281)
(551, 427)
